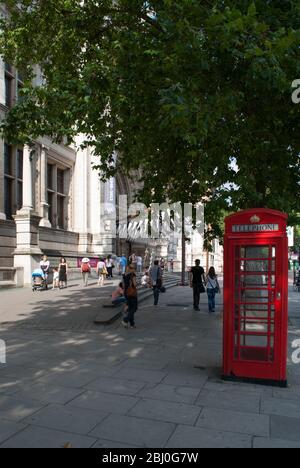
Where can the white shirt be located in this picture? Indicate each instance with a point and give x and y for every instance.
(45, 266)
(100, 266)
(212, 283)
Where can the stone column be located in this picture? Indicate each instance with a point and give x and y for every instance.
(84, 201)
(44, 210)
(27, 254)
(28, 153)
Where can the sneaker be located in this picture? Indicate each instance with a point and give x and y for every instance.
(125, 324)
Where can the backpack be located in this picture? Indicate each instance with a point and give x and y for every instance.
(85, 268)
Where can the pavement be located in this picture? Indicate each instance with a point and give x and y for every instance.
(70, 383)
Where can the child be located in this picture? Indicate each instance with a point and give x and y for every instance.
(145, 280)
(55, 279)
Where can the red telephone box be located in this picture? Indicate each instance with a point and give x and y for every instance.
(256, 297)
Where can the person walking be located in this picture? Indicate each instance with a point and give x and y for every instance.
(86, 271)
(131, 295)
(123, 265)
(139, 261)
(63, 273)
(133, 261)
(197, 281)
(102, 272)
(213, 288)
(156, 278)
(109, 267)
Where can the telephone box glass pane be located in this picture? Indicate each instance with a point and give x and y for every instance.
(255, 281)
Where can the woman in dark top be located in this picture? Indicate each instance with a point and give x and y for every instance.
(63, 273)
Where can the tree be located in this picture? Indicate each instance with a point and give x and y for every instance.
(196, 94)
(297, 238)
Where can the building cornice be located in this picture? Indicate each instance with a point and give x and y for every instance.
(59, 152)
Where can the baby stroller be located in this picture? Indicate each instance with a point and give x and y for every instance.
(38, 280)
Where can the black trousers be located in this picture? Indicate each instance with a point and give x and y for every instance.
(132, 309)
(197, 289)
(110, 272)
(156, 293)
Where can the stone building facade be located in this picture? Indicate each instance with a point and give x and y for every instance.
(53, 202)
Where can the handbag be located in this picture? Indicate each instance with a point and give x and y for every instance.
(202, 289)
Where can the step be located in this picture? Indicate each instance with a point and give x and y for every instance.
(107, 317)
(111, 314)
(7, 285)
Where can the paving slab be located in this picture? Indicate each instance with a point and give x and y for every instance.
(20, 372)
(267, 443)
(117, 386)
(73, 378)
(285, 428)
(105, 444)
(291, 393)
(189, 378)
(17, 409)
(223, 386)
(109, 403)
(141, 375)
(195, 437)
(39, 437)
(148, 364)
(9, 428)
(67, 419)
(49, 393)
(178, 413)
(281, 407)
(233, 421)
(170, 393)
(134, 431)
(233, 401)
(11, 386)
